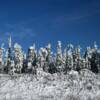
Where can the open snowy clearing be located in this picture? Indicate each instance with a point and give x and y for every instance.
(45, 86)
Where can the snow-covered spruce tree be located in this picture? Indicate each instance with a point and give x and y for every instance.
(31, 60)
(65, 57)
(48, 48)
(2, 54)
(77, 60)
(98, 60)
(42, 58)
(18, 58)
(8, 56)
(97, 57)
(87, 57)
(2, 51)
(5, 60)
(1, 59)
(59, 60)
(94, 57)
(68, 58)
(35, 61)
(48, 58)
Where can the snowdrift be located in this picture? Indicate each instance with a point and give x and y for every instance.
(44, 86)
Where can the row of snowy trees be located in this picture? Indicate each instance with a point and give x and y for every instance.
(16, 61)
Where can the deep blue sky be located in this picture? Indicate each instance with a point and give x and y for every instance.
(43, 21)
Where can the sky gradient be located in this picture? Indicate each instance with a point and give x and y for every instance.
(43, 21)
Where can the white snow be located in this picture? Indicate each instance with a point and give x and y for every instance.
(45, 86)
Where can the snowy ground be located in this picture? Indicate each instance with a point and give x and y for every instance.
(73, 86)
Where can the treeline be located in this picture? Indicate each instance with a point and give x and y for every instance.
(14, 60)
